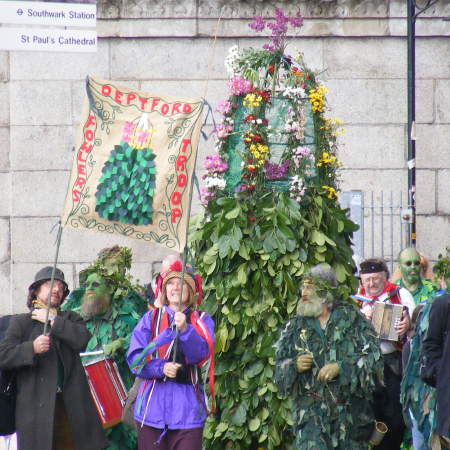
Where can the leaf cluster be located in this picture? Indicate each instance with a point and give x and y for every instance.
(252, 255)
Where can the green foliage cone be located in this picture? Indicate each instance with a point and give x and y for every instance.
(252, 255)
(271, 214)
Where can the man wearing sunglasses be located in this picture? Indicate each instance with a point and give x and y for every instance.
(420, 288)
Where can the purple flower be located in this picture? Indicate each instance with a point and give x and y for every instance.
(278, 28)
(258, 23)
(215, 164)
(275, 172)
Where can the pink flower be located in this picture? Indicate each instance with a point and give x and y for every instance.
(222, 131)
(224, 107)
(239, 85)
(215, 164)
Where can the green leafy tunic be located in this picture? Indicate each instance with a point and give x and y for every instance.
(424, 291)
(338, 414)
(118, 322)
(416, 396)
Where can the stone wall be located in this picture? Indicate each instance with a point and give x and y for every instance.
(168, 46)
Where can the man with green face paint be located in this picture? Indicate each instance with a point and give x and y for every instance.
(417, 398)
(111, 308)
(420, 288)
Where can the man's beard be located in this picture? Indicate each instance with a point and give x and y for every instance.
(310, 308)
(94, 305)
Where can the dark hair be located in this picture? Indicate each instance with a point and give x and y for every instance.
(34, 289)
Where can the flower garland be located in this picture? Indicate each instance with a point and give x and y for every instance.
(261, 80)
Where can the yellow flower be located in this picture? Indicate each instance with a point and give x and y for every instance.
(252, 100)
(317, 98)
(327, 159)
(331, 192)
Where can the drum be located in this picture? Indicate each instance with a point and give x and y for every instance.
(107, 388)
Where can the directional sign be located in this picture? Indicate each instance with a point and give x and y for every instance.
(48, 40)
(45, 13)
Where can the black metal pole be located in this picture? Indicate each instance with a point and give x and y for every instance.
(412, 122)
(412, 14)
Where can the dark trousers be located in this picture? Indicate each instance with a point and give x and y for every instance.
(62, 432)
(387, 404)
(188, 439)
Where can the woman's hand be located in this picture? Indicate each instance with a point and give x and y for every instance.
(180, 321)
(170, 369)
(41, 344)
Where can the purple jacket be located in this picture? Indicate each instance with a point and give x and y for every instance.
(161, 402)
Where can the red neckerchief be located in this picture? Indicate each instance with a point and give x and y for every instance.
(389, 288)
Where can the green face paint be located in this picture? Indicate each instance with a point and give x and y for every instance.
(97, 297)
(409, 264)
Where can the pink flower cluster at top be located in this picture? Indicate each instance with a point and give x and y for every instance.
(224, 107)
(215, 164)
(239, 85)
(278, 28)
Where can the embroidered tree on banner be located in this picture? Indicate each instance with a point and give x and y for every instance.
(271, 211)
(133, 164)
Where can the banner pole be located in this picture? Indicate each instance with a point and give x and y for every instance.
(52, 279)
(185, 250)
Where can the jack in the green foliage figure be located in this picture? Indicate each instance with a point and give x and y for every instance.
(327, 363)
(111, 308)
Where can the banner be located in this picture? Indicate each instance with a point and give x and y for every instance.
(133, 164)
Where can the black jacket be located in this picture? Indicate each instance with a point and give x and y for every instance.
(37, 381)
(436, 359)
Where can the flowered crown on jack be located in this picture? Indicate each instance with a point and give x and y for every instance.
(273, 132)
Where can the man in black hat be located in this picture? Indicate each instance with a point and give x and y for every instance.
(54, 408)
(375, 287)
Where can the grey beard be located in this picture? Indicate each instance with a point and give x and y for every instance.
(94, 305)
(311, 308)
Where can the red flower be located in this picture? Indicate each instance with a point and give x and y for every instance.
(252, 219)
(265, 122)
(264, 94)
(257, 138)
(271, 68)
(249, 118)
(251, 187)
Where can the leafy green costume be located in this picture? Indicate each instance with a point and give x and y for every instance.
(335, 415)
(127, 307)
(425, 290)
(415, 395)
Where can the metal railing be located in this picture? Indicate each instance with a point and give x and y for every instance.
(383, 220)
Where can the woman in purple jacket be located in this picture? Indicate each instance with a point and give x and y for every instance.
(170, 408)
